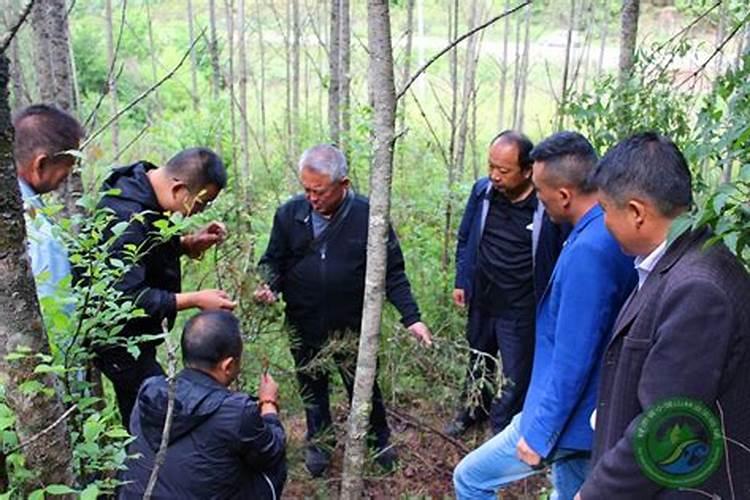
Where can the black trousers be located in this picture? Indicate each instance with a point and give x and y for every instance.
(313, 378)
(127, 374)
(510, 334)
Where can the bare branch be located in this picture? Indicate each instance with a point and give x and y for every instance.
(161, 454)
(44, 431)
(715, 52)
(455, 42)
(8, 37)
(143, 94)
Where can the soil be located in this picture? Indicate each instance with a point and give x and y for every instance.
(426, 460)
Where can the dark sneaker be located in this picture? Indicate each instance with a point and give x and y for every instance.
(316, 461)
(387, 457)
(457, 427)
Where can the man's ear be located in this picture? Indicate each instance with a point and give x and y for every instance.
(227, 365)
(565, 196)
(36, 166)
(637, 212)
(345, 181)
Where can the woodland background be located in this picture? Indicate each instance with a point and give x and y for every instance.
(261, 80)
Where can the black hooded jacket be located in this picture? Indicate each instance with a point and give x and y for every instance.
(220, 447)
(155, 278)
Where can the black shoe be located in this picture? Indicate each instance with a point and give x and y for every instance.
(387, 457)
(457, 427)
(316, 461)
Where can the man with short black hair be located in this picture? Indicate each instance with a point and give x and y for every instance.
(505, 252)
(46, 139)
(591, 280)
(143, 195)
(684, 333)
(222, 444)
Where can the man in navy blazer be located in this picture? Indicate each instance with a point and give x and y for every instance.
(505, 253)
(589, 284)
(682, 341)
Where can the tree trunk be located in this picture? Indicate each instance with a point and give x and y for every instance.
(517, 72)
(603, 42)
(51, 40)
(261, 84)
(152, 51)
(229, 6)
(524, 70)
(22, 326)
(628, 34)
(242, 55)
(193, 58)
(16, 70)
(334, 71)
(213, 48)
(112, 83)
(345, 79)
(406, 72)
(501, 123)
(383, 91)
(296, 36)
(420, 30)
(566, 68)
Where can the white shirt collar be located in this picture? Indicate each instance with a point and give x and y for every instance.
(645, 264)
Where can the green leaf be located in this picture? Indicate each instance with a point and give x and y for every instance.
(59, 489)
(90, 493)
(37, 495)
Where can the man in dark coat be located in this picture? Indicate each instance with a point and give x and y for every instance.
(684, 333)
(316, 260)
(505, 252)
(222, 444)
(142, 196)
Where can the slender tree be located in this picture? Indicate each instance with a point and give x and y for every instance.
(334, 72)
(22, 328)
(112, 83)
(242, 61)
(383, 92)
(193, 56)
(296, 36)
(213, 49)
(524, 71)
(49, 23)
(504, 71)
(628, 35)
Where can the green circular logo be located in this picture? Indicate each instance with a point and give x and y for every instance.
(678, 443)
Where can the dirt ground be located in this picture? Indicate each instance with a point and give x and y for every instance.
(426, 460)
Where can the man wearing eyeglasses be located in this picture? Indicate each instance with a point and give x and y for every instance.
(143, 196)
(316, 260)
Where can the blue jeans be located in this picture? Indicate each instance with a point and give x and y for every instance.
(493, 465)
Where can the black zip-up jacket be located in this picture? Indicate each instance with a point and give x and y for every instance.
(220, 447)
(322, 280)
(155, 278)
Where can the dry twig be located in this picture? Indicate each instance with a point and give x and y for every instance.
(5, 41)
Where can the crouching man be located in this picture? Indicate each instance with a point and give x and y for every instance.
(222, 444)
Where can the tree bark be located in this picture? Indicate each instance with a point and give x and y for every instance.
(112, 83)
(193, 58)
(383, 91)
(213, 48)
(229, 6)
(22, 326)
(296, 36)
(152, 50)
(51, 39)
(242, 55)
(566, 68)
(345, 79)
(524, 70)
(16, 70)
(334, 72)
(603, 42)
(501, 124)
(628, 35)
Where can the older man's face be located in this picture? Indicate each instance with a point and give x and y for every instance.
(324, 195)
(506, 174)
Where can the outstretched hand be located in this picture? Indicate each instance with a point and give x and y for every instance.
(197, 243)
(421, 333)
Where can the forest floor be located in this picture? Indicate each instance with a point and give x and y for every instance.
(426, 459)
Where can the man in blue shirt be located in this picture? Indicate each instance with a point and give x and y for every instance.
(44, 137)
(589, 284)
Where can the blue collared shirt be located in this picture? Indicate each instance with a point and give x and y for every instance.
(49, 257)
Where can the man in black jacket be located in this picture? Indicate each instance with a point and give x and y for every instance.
(222, 444)
(143, 195)
(316, 259)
